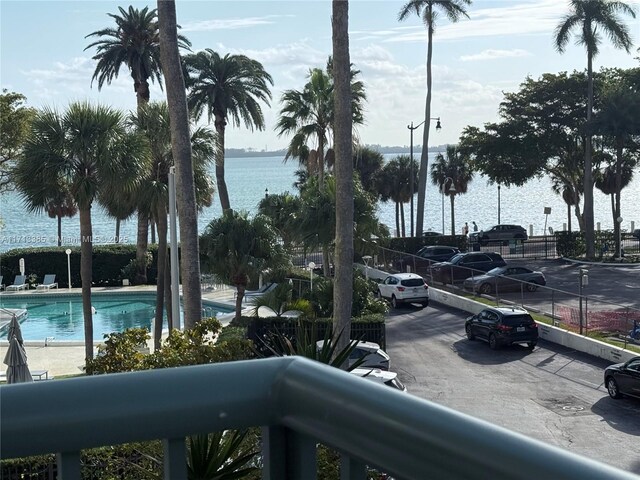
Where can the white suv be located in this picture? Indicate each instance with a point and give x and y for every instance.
(371, 353)
(390, 379)
(404, 288)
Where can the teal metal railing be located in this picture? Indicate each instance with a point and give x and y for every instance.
(299, 403)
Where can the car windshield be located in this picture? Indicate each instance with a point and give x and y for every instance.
(413, 282)
(496, 271)
(514, 320)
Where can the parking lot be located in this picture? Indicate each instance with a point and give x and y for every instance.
(551, 394)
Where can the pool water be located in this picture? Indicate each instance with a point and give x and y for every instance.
(61, 318)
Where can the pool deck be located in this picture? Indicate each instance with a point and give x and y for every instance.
(67, 358)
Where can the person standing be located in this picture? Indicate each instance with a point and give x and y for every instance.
(465, 229)
(475, 226)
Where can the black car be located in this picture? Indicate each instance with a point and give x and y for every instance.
(465, 265)
(503, 326)
(425, 257)
(623, 379)
(501, 234)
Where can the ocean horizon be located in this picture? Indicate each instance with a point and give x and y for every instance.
(250, 178)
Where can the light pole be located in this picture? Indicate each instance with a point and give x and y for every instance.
(619, 220)
(366, 259)
(173, 253)
(266, 193)
(498, 204)
(452, 189)
(68, 252)
(312, 265)
(583, 281)
(411, 129)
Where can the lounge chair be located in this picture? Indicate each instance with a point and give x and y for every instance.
(18, 283)
(48, 282)
(1, 284)
(256, 293)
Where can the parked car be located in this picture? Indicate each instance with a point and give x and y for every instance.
(431, 233)
(502, 234)
(426, 256)
(371, 353)
(390, 379)
(464, 265)
(623, 379)
(503, 326)
(636, 233)
(404, 288)
(506, 278)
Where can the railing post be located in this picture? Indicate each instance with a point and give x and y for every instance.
(175, 463)
(351, 469)
(288, 455)
(68, 465)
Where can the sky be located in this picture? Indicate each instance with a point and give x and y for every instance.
(474, 61)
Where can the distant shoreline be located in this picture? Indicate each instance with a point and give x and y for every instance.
(242, 153)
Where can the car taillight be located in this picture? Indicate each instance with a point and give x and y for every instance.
(400, 289)
(504, 328)
(534, 325)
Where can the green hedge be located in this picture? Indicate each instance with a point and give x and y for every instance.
(573, 244)
(108, 262)
(413, 244)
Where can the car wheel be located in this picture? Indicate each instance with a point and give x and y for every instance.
(486, 288)
(532, 287)
(394, 302)
(470, 335)
(612, 388)
(425, 304)
(493, 342)
(531, 345)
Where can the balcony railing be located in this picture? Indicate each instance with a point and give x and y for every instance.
(298, 403)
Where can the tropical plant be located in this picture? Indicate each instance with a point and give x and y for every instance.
(182, 158)
(368, 164)
(221, 456)
(88, 150)
(237, 248)
(281, 209)
(587, 17)
(62, 205)
(228, 88)
(611, 181)
(153, 122)
(134, 43)
(278, 302)
(308, 116)
(394, 183)
(452, 170)
(428, 11)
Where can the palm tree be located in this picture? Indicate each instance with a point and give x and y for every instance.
(308, 115)
(153, 122)
(228, 88)
(428, 11)
(237, 248)
(394, 183)
(134, 43)
(454, 166)
(182, 157)
(343, 140)
(62, 205)
(281, 210)
(368, 163)
(89, 150)
(587, 16)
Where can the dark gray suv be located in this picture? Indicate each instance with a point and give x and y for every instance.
(465, 265)
(501, 234)
(503, 326)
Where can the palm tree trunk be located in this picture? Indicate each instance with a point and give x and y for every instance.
(569, 217)
(452, 198)
(59, 230)
(162, 262)
(343, 170)
(240, 289)
(152, 226)
(404, 231)
(141, 246)
(86, 273)
(181, 148)
(397, 219)
(117, 238)
(220, 123)
(424, 158)
(320, 161)
(618, 209)
(588, 180)
(168, 301)
(326, 266)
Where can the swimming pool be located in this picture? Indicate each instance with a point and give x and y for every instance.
(59, 317)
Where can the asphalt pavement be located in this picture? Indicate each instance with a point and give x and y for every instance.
(552, 394)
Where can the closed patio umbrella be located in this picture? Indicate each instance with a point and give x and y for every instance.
(14, 330)
(16, 361)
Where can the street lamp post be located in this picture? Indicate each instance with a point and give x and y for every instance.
(583, 281)
(619, 220)
(452, 189)
(498, 204)
(411, 129)
(366, 259)
(68, 252)
(312, 265)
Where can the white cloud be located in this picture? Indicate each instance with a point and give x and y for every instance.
(492, 54)
(230, 23)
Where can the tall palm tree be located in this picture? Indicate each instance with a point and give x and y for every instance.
(62, 205)
(368, 163)
(343, 142)
(182, 157)
(394, 183)
(587, 16)
(229, 88)
(237, 248)
(454, 166)
(611, 181)
(134, 43)
(89, 150)
(281, 210)
(153, 122)
(308, 115)
(428, 11)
